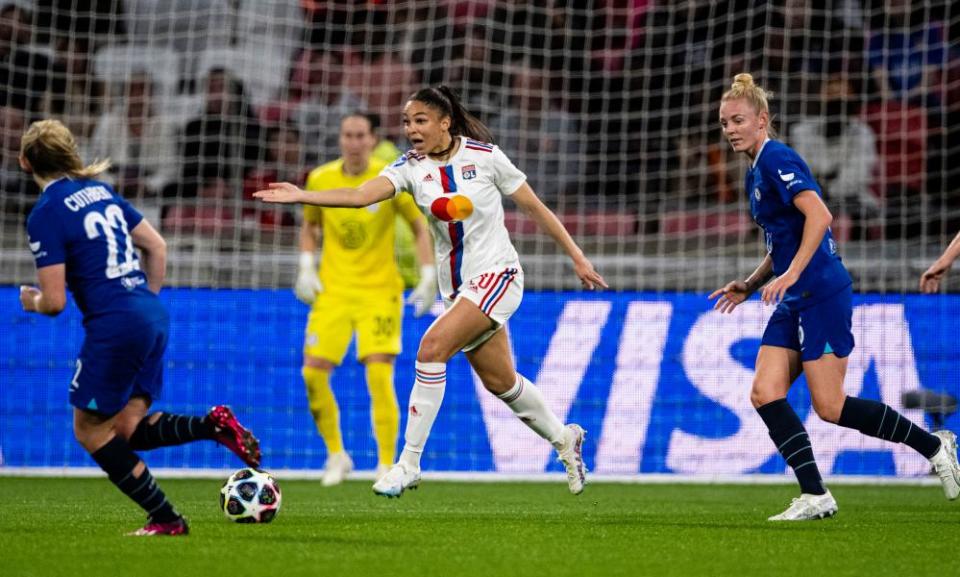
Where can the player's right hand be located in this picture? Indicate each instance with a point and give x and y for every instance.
(590, 279)
(308, 284)
(732, 294)
(282, 192)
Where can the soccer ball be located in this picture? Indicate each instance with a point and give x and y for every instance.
(250, 496)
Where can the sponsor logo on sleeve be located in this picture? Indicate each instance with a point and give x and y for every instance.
(790, 178)
(38, 253)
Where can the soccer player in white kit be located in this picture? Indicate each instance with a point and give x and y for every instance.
(457, 180)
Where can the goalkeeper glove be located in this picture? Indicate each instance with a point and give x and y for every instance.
(308, 284)
(425, 293)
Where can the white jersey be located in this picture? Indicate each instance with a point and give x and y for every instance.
(467, 242)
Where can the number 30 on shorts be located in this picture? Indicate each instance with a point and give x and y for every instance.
(384, 326)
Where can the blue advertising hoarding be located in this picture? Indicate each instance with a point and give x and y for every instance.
(660, 381)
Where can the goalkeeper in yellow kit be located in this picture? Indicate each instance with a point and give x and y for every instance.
(357, 290)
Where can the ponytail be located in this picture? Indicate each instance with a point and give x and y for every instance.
(51, 150)
(444, 100)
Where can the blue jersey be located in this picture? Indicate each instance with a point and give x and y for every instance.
(86, 226)
(777, 175)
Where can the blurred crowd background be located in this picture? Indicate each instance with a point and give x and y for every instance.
(609, 106)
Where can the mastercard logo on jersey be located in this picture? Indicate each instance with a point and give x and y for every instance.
(452, 208)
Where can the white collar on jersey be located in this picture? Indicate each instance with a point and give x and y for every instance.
(759, 152)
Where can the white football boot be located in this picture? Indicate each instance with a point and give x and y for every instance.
(945, 464)
(381, 471)
(336, 469)
(397, 480)
(571, 455)
(808, 507)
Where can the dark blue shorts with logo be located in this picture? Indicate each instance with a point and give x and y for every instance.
(815, 330)
(115, 365)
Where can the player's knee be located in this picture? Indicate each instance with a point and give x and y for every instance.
(318, 364)
(764, 393)
(89, 437)
(81, 434)
(828, 409)
(319, 394)
(433, 350)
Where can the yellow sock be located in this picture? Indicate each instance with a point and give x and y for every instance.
(384, 411)
(323, 407)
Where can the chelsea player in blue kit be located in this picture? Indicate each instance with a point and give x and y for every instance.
(810, 330)
(83, 235)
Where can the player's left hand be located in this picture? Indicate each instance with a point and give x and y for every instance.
(282, 192)
(28, 298)
(774, 292)
(930, 279)
(425, 293)
(589, 278)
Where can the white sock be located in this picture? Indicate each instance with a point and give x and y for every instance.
(425, 400)
(527, 402)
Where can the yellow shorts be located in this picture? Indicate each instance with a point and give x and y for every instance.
(334, 318)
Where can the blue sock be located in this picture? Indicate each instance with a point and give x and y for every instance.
(879, 420)
(791, 439)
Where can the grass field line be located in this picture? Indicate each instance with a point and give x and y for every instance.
(491, 477)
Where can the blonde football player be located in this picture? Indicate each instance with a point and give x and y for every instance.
(357, 290)
(459, 179)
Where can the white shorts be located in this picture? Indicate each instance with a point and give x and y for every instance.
(497, 294)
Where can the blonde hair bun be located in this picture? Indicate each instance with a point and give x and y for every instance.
(743, 79)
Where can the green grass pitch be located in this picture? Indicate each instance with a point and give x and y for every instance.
(52, 527)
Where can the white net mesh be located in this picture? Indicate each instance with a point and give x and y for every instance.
(610, 108)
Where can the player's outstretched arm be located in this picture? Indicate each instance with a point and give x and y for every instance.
(735, 292)
(548, 222)
(153, 254)
(930, 279)
(51, 298)
(370, 192)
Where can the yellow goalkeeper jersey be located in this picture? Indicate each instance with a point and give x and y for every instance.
(358, 243)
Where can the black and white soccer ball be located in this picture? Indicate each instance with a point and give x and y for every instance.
(250, 496)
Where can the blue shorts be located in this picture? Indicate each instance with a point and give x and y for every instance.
(114, 366)
(821, 328)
